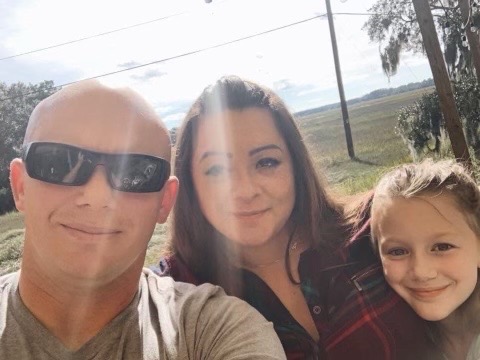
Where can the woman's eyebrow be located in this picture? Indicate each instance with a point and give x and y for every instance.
(206, 154)
(265, 147)
(254, 151)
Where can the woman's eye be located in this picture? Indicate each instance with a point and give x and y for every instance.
(214, 170)
(397, 252)
(442, 247)
(267, 163)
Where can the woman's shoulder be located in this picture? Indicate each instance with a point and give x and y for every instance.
(175, 267)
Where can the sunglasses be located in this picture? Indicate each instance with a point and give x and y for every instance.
(62, 164)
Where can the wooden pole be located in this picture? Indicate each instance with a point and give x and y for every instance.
(343, 103)
(442, 81)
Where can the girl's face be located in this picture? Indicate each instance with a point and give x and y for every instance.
(243, 177)
(429, 253)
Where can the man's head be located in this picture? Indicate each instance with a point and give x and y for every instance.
(98, 229)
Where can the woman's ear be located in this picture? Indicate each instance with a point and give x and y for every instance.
(170, 191)
(478, 254)
(17, 180)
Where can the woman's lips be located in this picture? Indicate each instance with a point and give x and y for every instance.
(250, 213)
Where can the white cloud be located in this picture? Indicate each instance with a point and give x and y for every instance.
(149, 74)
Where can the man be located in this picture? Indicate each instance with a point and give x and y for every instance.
(92, 183)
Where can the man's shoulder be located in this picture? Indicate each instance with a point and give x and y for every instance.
(207, 321)
(7, 281)
(175, 267)
(189, 298)
(171, 289)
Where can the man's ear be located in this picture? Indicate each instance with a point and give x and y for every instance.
(170, 190)
(17, 179)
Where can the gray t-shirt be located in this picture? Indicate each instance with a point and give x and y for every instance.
(474, 352)
(166, 320)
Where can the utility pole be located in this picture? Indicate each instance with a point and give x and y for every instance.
(343, 103)
(442, 81)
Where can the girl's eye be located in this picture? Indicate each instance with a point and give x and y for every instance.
(215, 170)
(397, 252)
(267, 163)
(442, 247)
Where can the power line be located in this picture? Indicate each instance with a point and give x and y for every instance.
(355, 13)
(91, 37)
(180, 55)
(97, 35)
(128, 28)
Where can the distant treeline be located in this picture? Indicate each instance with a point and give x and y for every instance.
(375, 94)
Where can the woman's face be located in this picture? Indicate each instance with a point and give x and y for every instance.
(243, 176)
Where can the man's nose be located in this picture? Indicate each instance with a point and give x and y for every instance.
(97, 192)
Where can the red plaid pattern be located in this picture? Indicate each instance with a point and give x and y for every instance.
(357, 315)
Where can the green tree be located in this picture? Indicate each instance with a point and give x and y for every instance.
(467, 98)
(393, 25)
(422, 127)
(17, 102)
(173, 135)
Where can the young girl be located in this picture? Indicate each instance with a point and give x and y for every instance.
(426, 228)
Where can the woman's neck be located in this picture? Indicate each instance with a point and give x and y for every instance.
(266, 253)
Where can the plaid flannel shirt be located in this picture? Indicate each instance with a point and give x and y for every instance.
(356, 313)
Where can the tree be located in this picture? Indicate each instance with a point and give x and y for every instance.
(422, 127)
(442, 81)
(395, 28)
(173, 135)
(467, 95)
(393, 25)
(17, 102)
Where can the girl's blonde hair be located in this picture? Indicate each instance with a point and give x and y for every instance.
(430, 177)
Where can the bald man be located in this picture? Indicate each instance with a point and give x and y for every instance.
(93, 181)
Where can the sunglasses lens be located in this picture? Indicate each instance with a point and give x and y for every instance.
(138, 173)
(58, 164)
(67, 165)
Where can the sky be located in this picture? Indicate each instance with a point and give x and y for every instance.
(191, 43)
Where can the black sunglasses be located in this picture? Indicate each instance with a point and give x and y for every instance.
(69, 165)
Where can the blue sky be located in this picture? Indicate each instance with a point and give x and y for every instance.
(296, 61)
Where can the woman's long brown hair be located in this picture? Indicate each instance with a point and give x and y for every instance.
(316, 217)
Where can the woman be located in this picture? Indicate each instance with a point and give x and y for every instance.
(253, 217)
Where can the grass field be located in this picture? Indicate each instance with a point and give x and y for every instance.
(377, 148)
(376, 145)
